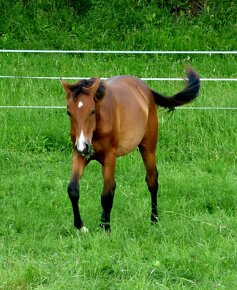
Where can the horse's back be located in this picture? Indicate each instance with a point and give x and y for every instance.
(130, 91)
(127, 81)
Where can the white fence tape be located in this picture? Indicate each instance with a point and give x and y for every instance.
(114, 51)
(63, 107)
(103, 78)
(33, 107)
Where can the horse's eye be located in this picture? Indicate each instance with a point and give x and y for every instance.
(93, 112)
(69, 114)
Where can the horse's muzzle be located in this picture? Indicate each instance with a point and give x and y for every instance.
(83, 150)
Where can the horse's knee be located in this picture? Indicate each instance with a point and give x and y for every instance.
(152, 180)
(107, 197)
(73, 190)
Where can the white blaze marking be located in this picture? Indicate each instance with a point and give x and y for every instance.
(81, 142)
(80, 104)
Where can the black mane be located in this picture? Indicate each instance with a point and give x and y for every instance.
(82, 87)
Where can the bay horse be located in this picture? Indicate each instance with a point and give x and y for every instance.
(110, 118)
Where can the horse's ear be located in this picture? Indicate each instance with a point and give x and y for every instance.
(66, 86)
(94, 85)
(100, 92)
(97, 88)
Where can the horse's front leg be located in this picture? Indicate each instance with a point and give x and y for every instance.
(107, 195)
(78, 165)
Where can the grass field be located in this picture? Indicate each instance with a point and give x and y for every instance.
(194, 246)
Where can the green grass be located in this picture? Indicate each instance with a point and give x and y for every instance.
(194, 244)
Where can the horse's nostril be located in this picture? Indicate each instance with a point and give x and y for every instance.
(86, 148)
(83, 149)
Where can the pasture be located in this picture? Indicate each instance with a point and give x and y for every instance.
(194, 246)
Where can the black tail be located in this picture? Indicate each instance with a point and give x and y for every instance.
(183, 97)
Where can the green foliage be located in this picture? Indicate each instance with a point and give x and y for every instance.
(102, 24)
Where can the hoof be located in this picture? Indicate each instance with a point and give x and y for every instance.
(105, 227)
(84, 229)
(78, 224)
(154, 219)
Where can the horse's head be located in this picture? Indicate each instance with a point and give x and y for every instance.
(81, 104)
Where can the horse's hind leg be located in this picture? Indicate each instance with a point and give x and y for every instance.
(149, 160)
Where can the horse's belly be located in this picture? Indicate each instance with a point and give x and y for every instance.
(131, 137)
(126, 147)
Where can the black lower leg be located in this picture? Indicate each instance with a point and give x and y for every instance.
(154, 213)
(107, 203)
(73, 192)
(153, 188)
